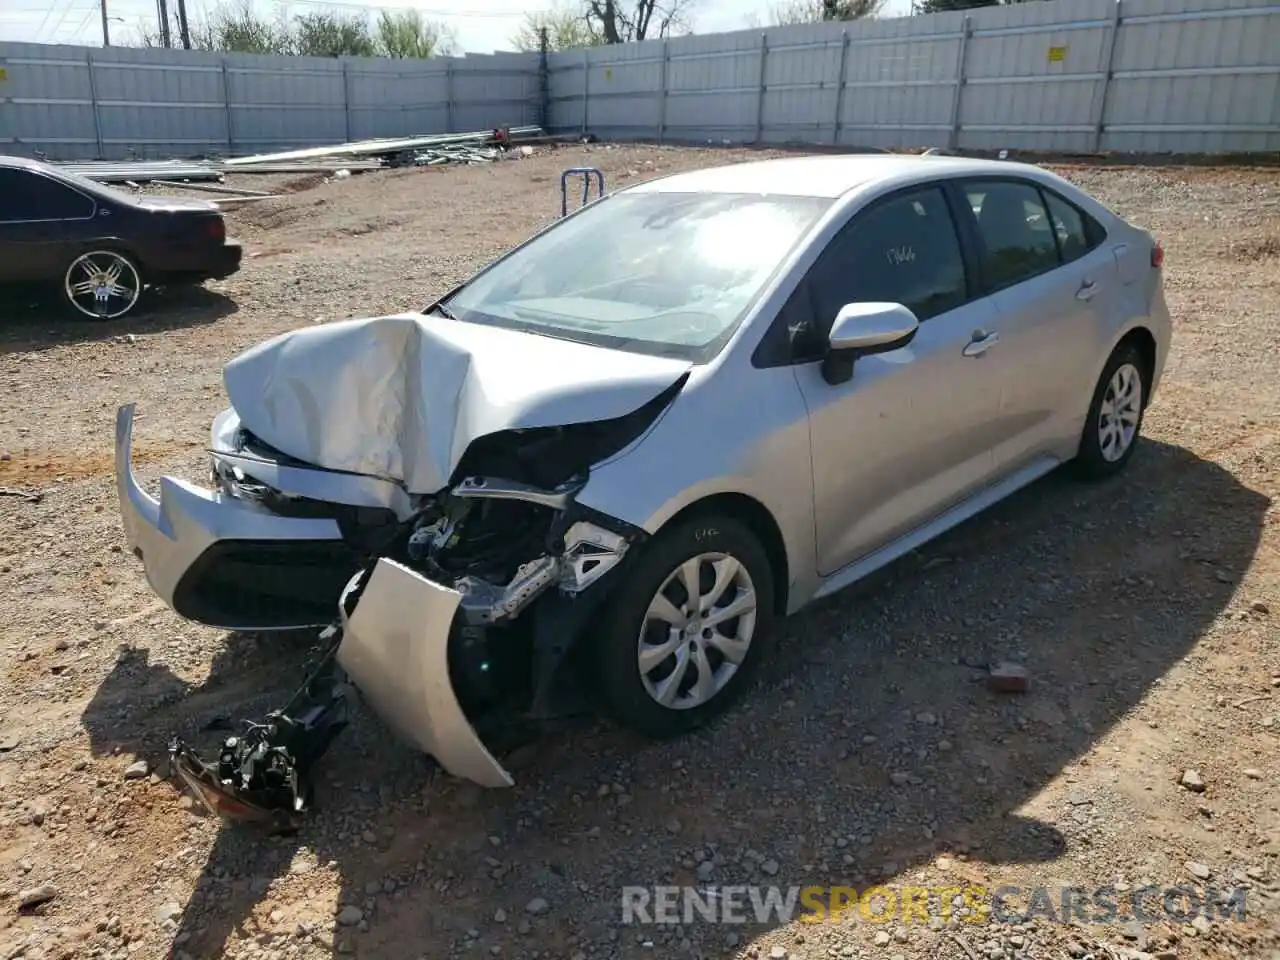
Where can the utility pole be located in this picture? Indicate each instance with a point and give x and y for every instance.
(106, 37)
(165, 41)
(182, 25)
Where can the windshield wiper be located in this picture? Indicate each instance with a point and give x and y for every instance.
(445, 312)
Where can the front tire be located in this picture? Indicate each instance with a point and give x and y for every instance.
(686, 632)
(102, 285)
(1114, 422)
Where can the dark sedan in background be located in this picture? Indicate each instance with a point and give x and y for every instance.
(100, 245)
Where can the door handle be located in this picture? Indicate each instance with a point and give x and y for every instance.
(1087, 290)
(981, 343)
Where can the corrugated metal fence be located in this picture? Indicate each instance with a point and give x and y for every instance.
(82, 102)
(1182, 76)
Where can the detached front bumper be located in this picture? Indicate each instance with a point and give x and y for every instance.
(226, 563)
(395, 649)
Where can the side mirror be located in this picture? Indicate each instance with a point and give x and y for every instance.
(863, 329)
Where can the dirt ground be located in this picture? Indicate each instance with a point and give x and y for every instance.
(1147, 611)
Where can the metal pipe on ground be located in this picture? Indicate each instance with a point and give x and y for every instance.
(218, 188)
(380, 147)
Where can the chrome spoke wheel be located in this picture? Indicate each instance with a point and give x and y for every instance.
(697, 631)
(102, 284)
(1119, 413)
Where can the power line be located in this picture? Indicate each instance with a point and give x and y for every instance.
(83, 23)
(47, 14)
(57, 27)
(425, 11)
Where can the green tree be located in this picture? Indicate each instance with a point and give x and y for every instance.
(323, 34)
(230, 28)
(408, 34)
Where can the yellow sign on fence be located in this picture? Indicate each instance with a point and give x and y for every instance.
(4, 74)
(1057, 54)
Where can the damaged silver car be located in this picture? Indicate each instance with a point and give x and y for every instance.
(597, 473)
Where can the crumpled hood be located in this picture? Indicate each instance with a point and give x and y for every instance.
(402, 397)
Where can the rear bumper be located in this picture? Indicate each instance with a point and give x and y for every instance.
(220, 561)
(395, 648)
(226, 261)
(194, 264)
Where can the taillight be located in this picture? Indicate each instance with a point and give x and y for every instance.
(1157, 255)
(215, 229)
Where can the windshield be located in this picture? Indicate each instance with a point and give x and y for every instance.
(670, 274)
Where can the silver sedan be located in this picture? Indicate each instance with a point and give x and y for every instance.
(601, 471)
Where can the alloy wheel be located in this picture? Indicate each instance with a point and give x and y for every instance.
(102, 284)
(1120, 412)
(697, 631)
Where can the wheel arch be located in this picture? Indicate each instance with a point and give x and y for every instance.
(756, 517)
(1144, 341)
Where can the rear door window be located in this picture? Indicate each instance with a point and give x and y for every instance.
(29, 196)
(1015, 229)
(1078, 233)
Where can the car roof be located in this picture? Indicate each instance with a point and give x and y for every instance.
(825, 176)
(7, 161)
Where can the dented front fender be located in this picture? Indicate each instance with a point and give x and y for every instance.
(395, 648)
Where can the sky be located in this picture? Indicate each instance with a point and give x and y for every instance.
(481, 26)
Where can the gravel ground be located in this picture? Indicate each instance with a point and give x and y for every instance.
(1145, 609)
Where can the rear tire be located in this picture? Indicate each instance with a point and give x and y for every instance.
(102, 284)
(667, 666)
(1114, 422)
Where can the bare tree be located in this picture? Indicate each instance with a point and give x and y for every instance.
(941, 6)
(628, 21)
(791, 12)
(568, 28)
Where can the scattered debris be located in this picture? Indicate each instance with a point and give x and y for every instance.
(1240, 704)
(1191, 780)
(480, 146)
(36, 897)
(1008, 678)
(137, 770)
(341, 160)
(968, 950)
(537, 906)
(1198, 870)
(31, 496)
(167, 913)
(220, 188)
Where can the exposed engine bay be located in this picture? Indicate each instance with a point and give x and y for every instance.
(529, 567)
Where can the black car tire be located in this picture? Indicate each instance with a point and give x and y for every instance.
(617, 643)
(1096, 460)
(104, 259)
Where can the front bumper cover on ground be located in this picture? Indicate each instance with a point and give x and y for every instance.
(392, 644)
